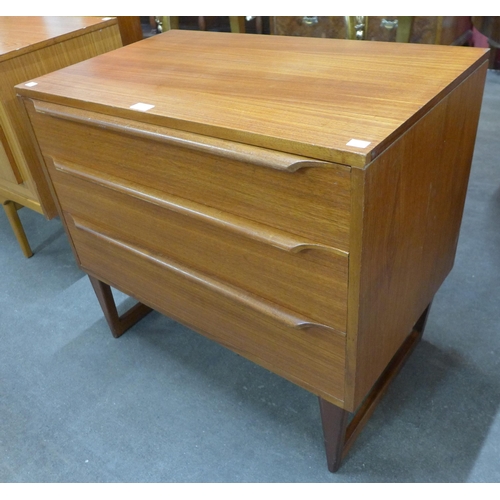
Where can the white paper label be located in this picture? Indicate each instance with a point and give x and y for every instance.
(140, 106)
(356, 143)
(30, 84)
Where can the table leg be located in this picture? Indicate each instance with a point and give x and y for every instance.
(117, 324)
(13, 217)
(339, 436)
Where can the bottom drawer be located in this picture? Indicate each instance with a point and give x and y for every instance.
(310, 355)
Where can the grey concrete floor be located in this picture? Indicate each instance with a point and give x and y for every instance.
(163, 404)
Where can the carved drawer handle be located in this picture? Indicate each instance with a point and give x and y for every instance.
(243, 297)
(278, 160)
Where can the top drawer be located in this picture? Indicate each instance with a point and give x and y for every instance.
(299, 195)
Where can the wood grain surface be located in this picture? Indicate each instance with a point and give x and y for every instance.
(305, 96)
(312, 357)
(311, 282)
(409, 222)
(19, 35)
(313, 202)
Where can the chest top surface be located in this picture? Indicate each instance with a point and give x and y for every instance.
(296, 94)
(19, 35)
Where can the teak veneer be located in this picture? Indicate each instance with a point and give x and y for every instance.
(31, 47)
(238, 203)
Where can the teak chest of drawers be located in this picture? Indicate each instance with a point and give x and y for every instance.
(264, 192)
(29, 48)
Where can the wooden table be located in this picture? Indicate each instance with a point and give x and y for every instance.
(264, 192)
(29, 48)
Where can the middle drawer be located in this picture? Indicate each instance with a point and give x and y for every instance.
(300, 275)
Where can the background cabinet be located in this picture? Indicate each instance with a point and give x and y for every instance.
(31, 47)
(445, 30)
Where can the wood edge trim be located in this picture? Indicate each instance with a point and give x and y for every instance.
(392, 138)
(253, 230)
(358, 180)
(255, 155)
(336, 158)
(248, 299)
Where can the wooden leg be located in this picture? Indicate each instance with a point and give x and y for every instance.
(334, 420)
(422, 321)
(11, 211)
(338, 437)
(117, 324)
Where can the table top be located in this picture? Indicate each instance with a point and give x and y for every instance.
(21, 34)
(301, 95)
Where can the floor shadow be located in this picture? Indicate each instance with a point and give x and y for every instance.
(49, 240)
(429, 427)
(433, 421)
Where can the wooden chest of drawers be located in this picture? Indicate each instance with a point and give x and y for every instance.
(299, 214)
(29, 48)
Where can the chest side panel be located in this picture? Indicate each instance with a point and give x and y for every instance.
(408, 225)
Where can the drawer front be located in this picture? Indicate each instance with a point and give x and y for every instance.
(310, 356)
(295, 194)
(294, 273)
